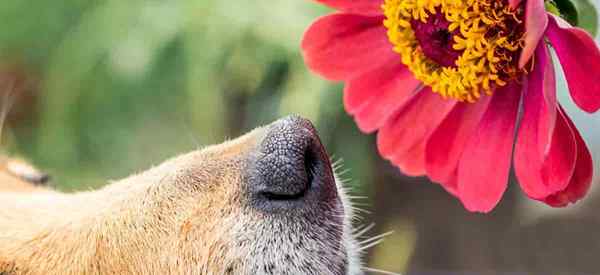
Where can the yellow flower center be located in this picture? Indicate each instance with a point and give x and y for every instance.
(460, 48)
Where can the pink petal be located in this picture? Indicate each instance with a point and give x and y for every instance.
(402, 139)
(543, 79)
(367, 7)
(485, 163)
(536, 21)
(559, 163)
(582, 175)
(580, 59)
(541, 173)
(447, 142)
(537, 125)
(514, 3)
(411, 162)
(343, 46)
(451, 185)
(361, 90)
(382, 92)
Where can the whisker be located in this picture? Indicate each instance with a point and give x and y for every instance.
(345, 183)
(369, 245)
(358, 197)
(362, 230)
(360, 210)
(342, 172)
(361, 204)
(379, 271)
(376, 238)
(335, 161)
(336, 164)
(357, 218)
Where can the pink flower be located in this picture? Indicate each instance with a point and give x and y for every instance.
(442, 84)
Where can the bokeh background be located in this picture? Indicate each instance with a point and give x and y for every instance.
(110, 87)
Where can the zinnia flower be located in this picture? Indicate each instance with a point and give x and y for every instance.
(444, 82)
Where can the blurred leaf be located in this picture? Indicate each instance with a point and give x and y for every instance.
(581, 13)
(126, 84)
(564, 8)
(587, 16)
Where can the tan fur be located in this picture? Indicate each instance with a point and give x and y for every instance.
(185, 216)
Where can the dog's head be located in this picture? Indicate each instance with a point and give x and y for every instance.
(265, 203)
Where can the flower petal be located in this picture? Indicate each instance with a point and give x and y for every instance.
(540, 173)
(543, 79)
(362, 89)
(382, 91)
(402, 139)
(343, 46)
(485, 163)
(451, 185)
(545, 151)
(580, 59)
(447, 142)
(368, 7)
(536, 21)
(537, 125)
(582, 176)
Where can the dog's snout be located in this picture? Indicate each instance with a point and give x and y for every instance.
(291, 168)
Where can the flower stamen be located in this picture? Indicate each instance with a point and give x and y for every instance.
(460, 48)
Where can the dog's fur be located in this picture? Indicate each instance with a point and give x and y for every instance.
(186, 216)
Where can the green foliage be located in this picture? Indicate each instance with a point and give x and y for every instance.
(587, 15)
(127, 84)
(581, 13)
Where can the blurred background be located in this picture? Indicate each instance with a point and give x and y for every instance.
(110, 87)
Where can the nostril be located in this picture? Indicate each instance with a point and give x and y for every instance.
(310, 164)
(283, 196)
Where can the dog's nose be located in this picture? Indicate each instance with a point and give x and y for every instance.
(290, 168)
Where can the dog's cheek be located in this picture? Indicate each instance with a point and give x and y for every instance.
(203, 236)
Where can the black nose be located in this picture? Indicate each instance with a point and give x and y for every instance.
(290, 168)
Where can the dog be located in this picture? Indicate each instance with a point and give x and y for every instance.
(267, 202)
